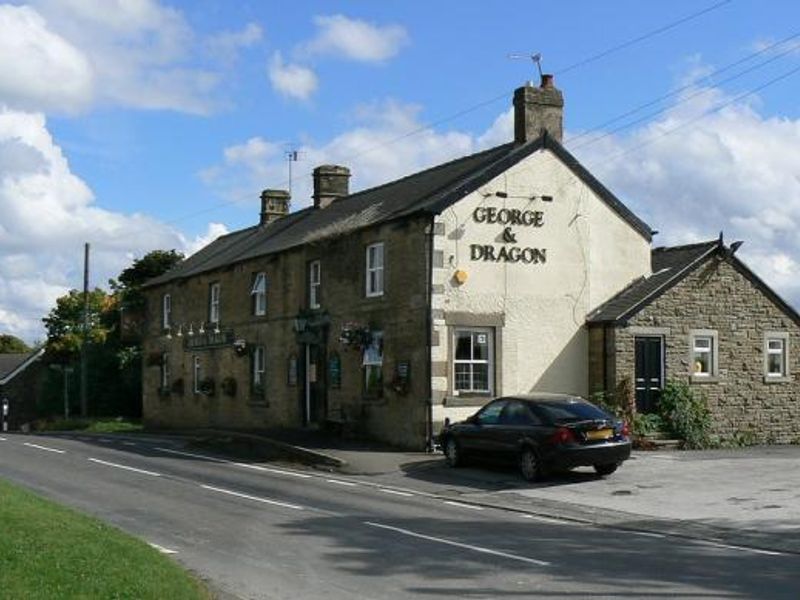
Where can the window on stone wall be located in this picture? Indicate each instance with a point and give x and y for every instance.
(259, 368)
(166, 311)
(196, 374)
(704, 349)
(165, 371)
(213, 302)
(259, 294)
(314, 283)
(776, 355)
(473, 360)
(373, 365)
(375, 270)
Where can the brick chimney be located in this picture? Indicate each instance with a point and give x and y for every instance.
(330, 183)
(538, 109)
(274, 205)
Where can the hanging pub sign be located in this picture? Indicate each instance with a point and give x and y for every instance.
(510, 252)
(335, 371)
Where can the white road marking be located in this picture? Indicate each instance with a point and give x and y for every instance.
(249, 497)
(271, 470)
(460, 505)
(742, 548)
(43, 448)
(547, 520)
(480, 549)
(648, 534)
(238, 464)
(129, 443)
(395, 492)
(118, 466)
(2, 439)
(162, 549)
(340, 482)
(105, 440)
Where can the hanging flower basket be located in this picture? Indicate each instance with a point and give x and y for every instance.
(355, 336)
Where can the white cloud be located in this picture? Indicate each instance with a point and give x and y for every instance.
(354, 39)
(734, 170)
(226, 44)
(292, 80)
(47, 213)
(39, 69)
(213, 231)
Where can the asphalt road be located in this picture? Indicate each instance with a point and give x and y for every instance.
(257, 531)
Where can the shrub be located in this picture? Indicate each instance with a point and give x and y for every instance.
(648, 423)
(686, 415)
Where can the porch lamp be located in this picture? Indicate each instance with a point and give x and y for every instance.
(300, 324)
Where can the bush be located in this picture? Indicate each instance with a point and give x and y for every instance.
(647, 423)
(686, 415)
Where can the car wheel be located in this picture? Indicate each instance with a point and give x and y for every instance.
(529, 465)
(606, 469)
(452, 453)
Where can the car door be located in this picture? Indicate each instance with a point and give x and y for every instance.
(481, 435)
(517, 424)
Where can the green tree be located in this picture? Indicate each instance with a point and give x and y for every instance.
(10, 344)
(128, 286)
(64, 323)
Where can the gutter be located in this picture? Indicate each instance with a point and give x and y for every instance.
(429, 444)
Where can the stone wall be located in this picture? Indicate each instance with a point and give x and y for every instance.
(398, 417)
(718, 296)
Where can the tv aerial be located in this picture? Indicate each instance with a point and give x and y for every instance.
(536, 58)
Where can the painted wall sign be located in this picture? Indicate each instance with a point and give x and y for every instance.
(291, 378)
(335, 371)
(509, 254)
(209, 339)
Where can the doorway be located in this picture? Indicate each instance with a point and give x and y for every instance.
(313, 397)
(649, 355)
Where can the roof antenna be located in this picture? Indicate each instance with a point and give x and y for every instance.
(536, 58)
(292, 155)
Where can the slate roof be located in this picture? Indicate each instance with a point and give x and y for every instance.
(669, 267)
(427, 192)
(12, 364)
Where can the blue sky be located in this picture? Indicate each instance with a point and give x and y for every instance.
(144, 123)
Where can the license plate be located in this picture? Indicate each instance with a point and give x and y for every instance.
(599, 434)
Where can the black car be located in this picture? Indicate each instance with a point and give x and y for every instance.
(542, 432)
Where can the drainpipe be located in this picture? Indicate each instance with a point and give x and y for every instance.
(429, 333)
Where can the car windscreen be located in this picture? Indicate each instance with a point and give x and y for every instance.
(570, 412)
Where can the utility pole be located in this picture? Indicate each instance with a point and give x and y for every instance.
(84, 366)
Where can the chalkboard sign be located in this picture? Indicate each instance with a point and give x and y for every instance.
(335, 371)
(403, 372)
(292, 374)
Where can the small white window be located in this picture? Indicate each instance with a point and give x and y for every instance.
(375, 270)
(165, 371)
(213, 303)
(259, 367)
(703, 345)
(166, 311)
(259, 294)
(314, 282)
(373, 365)
(776, 355)
(196, 375)
(473, 361)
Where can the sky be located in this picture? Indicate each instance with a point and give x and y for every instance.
(136, 125)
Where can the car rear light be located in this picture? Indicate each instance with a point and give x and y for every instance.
(626, 429)
(563, 435)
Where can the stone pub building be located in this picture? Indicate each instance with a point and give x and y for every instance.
(508, 271)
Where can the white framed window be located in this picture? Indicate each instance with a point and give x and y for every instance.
(373, 365)
(259, 294)
(213, 303)
(704, 349)
(375, 270)
(259, 367)
(196, 374)
(165, 371)
(776, 355)
(314, 283)
(166, 311)
(473, 360)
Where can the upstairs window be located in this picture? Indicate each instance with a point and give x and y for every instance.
(259, 294)
(473, 363)
(213, 303)
(166, 311)
(375, 270)
(776, 349)
(314, 283)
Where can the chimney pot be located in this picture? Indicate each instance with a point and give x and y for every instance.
(538, 110)
(331, 182)
(274, 205)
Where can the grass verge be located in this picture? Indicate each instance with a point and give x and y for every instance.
(110, 425)
(49, 551)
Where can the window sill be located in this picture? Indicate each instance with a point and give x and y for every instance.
(704, 378)
(773, 379)
(467, 400)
